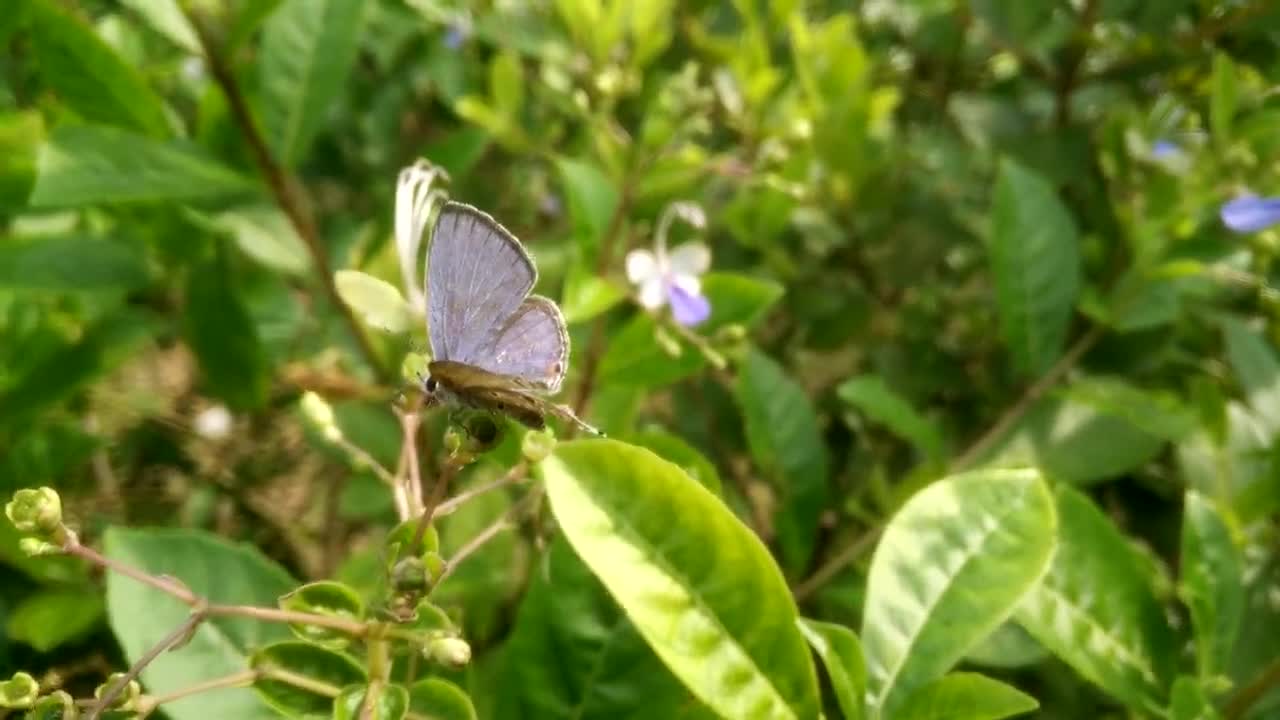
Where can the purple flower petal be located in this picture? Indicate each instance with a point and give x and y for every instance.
(688, 308)
(455, 37)
(1250, 214)
(1163, 149)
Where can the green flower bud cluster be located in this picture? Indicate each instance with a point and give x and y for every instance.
(37, 513)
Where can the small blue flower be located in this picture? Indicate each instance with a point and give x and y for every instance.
(1251, 214)
(673, 278)
(1164, 149)
(456, 36)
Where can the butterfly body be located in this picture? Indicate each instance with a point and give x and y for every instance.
(495, 346)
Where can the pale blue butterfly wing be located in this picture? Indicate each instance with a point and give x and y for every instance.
(533, 345)
(478, 274)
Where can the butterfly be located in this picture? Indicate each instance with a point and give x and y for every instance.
(494, 346)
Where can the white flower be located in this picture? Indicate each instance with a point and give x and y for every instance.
(213, 423)
(415, 199)
(673, 278)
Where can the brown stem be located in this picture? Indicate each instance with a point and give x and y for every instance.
(1245, 697)
(355, 628)
(164, 585)
(244, 677)
(286, 190)
(503, 523)
(832, 567)
(515, 475)
(1029, 398)
(113, 691)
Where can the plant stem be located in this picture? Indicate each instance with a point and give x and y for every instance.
(515, 475)
(286, 190)
(178, 634)
(164, 585)
(505, 522)
(244, 677)
(832, 567)
(300, 681)
(355, 628)
(379, 663)
(1258, 687)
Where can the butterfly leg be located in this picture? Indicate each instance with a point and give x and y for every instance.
(564, 412)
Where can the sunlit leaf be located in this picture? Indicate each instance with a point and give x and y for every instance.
(439, 699)
(841, 654)
(1212, 583)
(592, 200)
(375, 300)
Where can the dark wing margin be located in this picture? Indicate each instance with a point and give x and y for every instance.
(478, 273)
(533, 345)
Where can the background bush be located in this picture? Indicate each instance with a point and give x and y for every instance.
(946, 236)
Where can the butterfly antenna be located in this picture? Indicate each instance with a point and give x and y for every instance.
(564, 412)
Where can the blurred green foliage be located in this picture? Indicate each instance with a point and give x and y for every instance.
(945, 235)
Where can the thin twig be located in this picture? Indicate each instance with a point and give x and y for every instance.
(1029, 398)
(355, 628)
(113, 691)
(244, 677)
(410, 422)
(1244, 698)
(164, 585)
(286, 190)
(506, 522)
(832, 567)
(513, 476)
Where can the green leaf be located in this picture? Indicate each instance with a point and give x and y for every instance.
(71, 263)
(21, 134)
(1257, 368)
(1097, 611)
(216, 570)
(308, 50)
(587, 295)
(1159, 414)
(592, 201)
(324, 597)
(965, 696)
(1008, 646)
(573, 655)
(952, 565)
(166, 17)
(48, 619)
(1211, 583)
(1222, 99)
(88, 75)
(737, 299)
(1190, 702)
(699, 586)
(871, 395)
(439, 699)
(317, 665)
(224, 338)
(1035, 261)
(264, 233)
(782, 430)
(674, 449)
(506, 85)
(841, 654)
(634, 357)
(375, 300)
(392, 704)
(89, 165)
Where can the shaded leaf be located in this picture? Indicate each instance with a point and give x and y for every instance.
(635, 358)
(49, 619)
(1211, 583)
(699, 586)
(316, 664)
(224, 338)
(166, 17)
(966, 696)
(737, 299)
(592, 200)
(392, 703)
(841, 654)
(71, 263)
(439, 699)
(782, 430)
(1190, 702)
(1257, 368)
(1155, 413)
(20, 136)
(874, 398)
(1035, 261)
(1097, 611)
(952, 565)
(1008, 646)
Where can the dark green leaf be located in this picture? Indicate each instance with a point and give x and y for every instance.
(224, 339)
(88, 75)
(1222, 99)
(592, 201)
(1158, 414)
(20, 136)
(674, 557)
(953, 564)
(1211, 583)
(213, 569)
(782, 430)
(1097, 611)
(51, 618)
(311, 662)
(1035, 260)
(966, 696)
(635, 358)
(90, 165)
(1257, 368)
(324, 597)
(392, 703)
(71, 263)
(737, 299)
(587, 295)
(1190, 702)
(874, 398)
(439, 699)
(308, 49)
(841, 654)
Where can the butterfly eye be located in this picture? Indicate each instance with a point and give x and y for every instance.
(430, 385)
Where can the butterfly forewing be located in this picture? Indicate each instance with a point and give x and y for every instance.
(533, 345)
(478, 275)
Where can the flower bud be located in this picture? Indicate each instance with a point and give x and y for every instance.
(316, 410)
(35, 547)
(452, 652)
(57, 704)
(20, 692)
(409, 575)
(537, 445)
(127, 699)
(36, 512)
(434, 564)
(333, 433)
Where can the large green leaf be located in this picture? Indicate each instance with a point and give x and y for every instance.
(88, 165)
(965, 696)
(699, 586)
(635, 358)
(841, 654)
(782, 430)
(1211, 583)
(879, 402)
(88, 75)
(675, 449)
(1257, 368)
(71, 263)
(592, 201)
(308, 49)
(50, 618)
(574, 655)
(1035, 261)
(216, 570)
(1097, 611)
(1189, 701)
(952, 565)
(223, 337)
